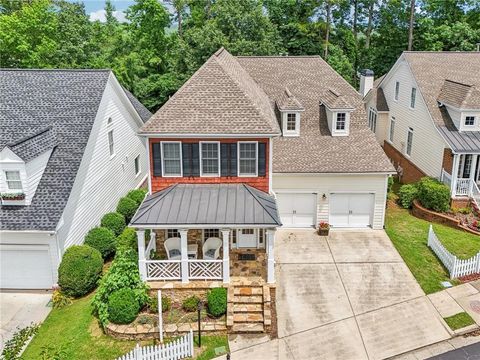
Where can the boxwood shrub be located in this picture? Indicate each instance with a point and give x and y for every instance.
(190, 304)
(102, 239)
(153, 303)
(433, 194)
(127, 240)
(407, 194)
(137, 195)
(114, 221)
(217, 302)
(123, 306)
(79, 270)
(127, 207)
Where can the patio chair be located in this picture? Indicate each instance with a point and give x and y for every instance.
(211, 248)
(173, 248)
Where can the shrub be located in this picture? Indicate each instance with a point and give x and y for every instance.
(407, 194)
(217, 302)
(13, 347)
(433, 194)
(166, 304)
(114, 221)
(60, 300)
(137, 195)
(127, 240)
(123, 306)
(390, 184)
(190, 304)
(79, 270)
(102, 239)
(127, 207)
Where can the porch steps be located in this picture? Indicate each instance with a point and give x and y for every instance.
(246, 309)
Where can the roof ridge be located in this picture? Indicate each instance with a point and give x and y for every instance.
(56, 70)
(31, 136)
(247, 187)
(459, 83)
(278, 56)
(154, 201)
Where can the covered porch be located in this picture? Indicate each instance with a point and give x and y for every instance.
(464, 177)
(206, 232)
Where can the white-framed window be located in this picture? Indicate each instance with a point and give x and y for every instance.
(372, 119)
(413, 96)
(172, 233)
(291, 122)
(397, 90)
(233, 237)
(14, 182)
(391, 131)
(408, 149)
(208, 233)
(261, 236)
(110, 143)
(341, 121)
(209, 158)
(469, 120)
(247, 158)
(137, 165)
(171, 158)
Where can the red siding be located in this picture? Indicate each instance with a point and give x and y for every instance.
(261, 182)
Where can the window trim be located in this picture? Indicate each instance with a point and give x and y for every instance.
(136, 163)
(344, 130)
(409, 131)
(413, 98)
(470, 116)
(111, 146)
(238, 159)
(396, 91)
(218, 159)
(162, 158)
(391, 133)
(371, 112)
(19, 180)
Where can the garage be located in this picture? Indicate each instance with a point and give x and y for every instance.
(25, 267)
(297, 209)
(351, 209)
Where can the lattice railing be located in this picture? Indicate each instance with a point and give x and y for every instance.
(205, 269)
(164, 269)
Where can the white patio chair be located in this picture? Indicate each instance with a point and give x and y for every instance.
(173, 248)
(211, 248)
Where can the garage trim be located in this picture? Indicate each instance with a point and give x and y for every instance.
(353, 192)
(303, 192)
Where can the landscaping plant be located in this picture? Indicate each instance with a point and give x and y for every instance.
(60, 300)
(127, 240)
(123, 306)
(153, 304)
(190, 304)
(407, 194)
(137, 195)
(114, 221)
(14, 346)
(79, 270)
(127, 207)
(433, 194)
(217, 302)
(102, 239)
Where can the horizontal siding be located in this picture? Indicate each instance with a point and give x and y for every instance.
(34, 169)
(326, 184)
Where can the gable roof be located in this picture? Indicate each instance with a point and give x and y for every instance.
(142, 111)
(41, 110)
(459, 95)
(289, 102)
(334, 101)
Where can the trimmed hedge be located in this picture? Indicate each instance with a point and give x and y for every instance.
(127, 207)
(127, 240)
(114, 221)
(79, 270)
(217, 302)
(433, 194)
(190, 304)
(102, 239)
(407, 194)
(166, 303)
(137, 195)
(123, 306)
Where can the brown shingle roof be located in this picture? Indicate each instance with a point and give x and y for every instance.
(334, 100)
(289, 102)
(459, 95)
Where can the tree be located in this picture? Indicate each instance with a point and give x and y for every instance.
(410, 27)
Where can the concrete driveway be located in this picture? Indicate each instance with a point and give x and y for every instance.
(20, 309)
(350, 296)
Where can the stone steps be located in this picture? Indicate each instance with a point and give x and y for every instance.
(248, 291)
(245, 313)
(246, 299)
(247, 328)
(250, 308)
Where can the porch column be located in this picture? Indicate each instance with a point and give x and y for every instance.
(184, 251)
(226, 255)
(473, 171)
(142, 264)
(456, 162)
(271, 258)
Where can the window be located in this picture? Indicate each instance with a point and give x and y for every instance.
(13, 180)
(208, 233)
(172, 159)
(341, 121)
(171, 233)
(392, 129)
(409, 141)
(372, 119)
(412, 97)
(261, 236)
(110, 143)
(210, 162)
(469, 120)
(397, 90)
(247, 158)
(291, 122)
(109, 121)
(137, 165)
(248, 231)
(233, 236)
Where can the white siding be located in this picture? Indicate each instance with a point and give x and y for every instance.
(35, 170)
(383, 124)
(326, 184)
(458, 118)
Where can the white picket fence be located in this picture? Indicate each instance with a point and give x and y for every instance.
(455, 266)
(175, 350)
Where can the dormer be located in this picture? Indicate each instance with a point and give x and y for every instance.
(338, 111)
(462, 102)
(290, 109)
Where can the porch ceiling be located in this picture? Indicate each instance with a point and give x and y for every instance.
(214, 205)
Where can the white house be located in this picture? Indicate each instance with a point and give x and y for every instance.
(68, 152)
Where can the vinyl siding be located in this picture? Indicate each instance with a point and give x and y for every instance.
(34, 170)
(326, 184)
(383, 122)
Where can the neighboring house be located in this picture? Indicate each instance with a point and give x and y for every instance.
(249, 144)
(68, 152)
(426, 114)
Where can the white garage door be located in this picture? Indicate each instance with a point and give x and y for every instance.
(25, 267)
(351, 210)
(297, 209)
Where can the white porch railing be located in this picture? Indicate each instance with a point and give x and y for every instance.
(475, 194)
(164, 269)
(463, 187)
(446, 178)
(205, 269)
(152, 245)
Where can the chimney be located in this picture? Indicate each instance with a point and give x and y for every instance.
(366, 81)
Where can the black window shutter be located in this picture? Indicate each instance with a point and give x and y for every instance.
(195, 160)
(262, 159)
(224, 159)
(157, 159)
(187, 159)
(233, 160)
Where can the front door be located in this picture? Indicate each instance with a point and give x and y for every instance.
(247, 238)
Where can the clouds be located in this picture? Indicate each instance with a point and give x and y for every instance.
(100, 15)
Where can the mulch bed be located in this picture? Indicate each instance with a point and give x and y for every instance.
(468, 278)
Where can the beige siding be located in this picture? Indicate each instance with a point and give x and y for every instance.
(326, 184)
(381, 131)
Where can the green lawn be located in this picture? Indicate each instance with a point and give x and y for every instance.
(459, 321)
(460, 243)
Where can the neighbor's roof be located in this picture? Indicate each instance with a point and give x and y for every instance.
(42, 110)
(207, 204)
(459, 95)
(378, 95)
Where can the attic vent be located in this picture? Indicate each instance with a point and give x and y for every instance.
(247, 257)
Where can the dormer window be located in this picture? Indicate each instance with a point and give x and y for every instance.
(14, 182)
(291, 124)
(341, 122)
(338, 109)
(290, 109)
(469, 120)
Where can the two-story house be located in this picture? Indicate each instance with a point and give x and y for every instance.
(425, 112)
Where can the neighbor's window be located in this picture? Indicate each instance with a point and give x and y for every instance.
(392, 129)
(409, 141)
(210, 163)
(469, 120)
(172, 159)
(13, 180)
(247, 156)
(172, 233)
(110, 143)
(372, 119)
(291, 122)
(412, 97)
(208, 233)
(397, 89)
(137, 165)
(341, 121)
(109, 121)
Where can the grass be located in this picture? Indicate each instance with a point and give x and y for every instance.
(209, 344)
(460, 243)
(459, 321)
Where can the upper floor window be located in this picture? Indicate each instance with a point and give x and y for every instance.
(291, 122)
(397, 89)
(469, 120)
(247, 159)
(137, 165)
(392, 129)
(210, 159)
(341, 122)
(372, 119)
(413, 95)
(110, 143)
(172, 159)
(409, 141)
(14, 181)
(109, 121)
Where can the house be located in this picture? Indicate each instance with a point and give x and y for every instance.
(68, 152)
(425, 112)
(246, 145)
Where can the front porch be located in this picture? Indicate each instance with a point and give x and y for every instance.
(466, 176)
